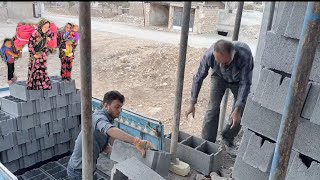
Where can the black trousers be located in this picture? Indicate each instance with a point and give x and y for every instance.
(10, 70)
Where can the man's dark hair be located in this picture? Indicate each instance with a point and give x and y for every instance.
(112, 95)
(223, 46)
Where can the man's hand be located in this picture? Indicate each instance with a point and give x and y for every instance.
(108, 149)
(192, 109)
(235, 118)
(142, 146)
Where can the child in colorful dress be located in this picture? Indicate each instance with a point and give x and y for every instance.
(8, 56)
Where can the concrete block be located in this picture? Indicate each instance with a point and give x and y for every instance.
(62, 148)
(6, 142)
(70, 86)
(299, 170)
(295, 23)
(201, 155)
(243, 171)
(21, 137)
(10, 105)
(41, 131)
(32, 147)
(63, 137)
(258, 94)
(61, 113)
(267, 122)
(35, 174)
(259, 153)
(45, 117)
(12, 166)
(35, 94)
(159, 161)
(71, 122)
(60, 83)
(62, 101)
(47, 142)
(315, 116)
(29, 160)
(25, 122)
(284, 18)
(311, 100)
(133, 169)
(275, 92)
(244, 142)
(74, 97)
(43, 104)
(58, 126)
(14, 153)
(19, 90)
(47, 154)
(7, 125)
(54, 90)
(280, 53)
(74, 109)
(181, 136)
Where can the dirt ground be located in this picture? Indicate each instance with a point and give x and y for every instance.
(144, 71)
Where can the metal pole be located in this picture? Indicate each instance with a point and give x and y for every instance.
(235, 36)
(180, 78)
(86, 90)
(144, 16)
(297, 88)
(271, 13)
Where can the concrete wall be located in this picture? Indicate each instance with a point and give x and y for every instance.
(159, 15)
(20, 10)
(3, 13)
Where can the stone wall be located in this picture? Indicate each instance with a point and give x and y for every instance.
(20, 10)
(136, 9)
(159, 15)
(206, 19)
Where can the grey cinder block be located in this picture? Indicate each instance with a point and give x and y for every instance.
(295, 23)
(21, 137)
(259, 153)
(181, 136)
(311, 100)
(25, 122)
(70, 86)
(47, 154)
(315, 116)
(243, 171)
(43, 104)
(35, 94)
(58, 126)
(275, 92)
(298, 170)
(41, 131)
(6, 142)
(61, 148)
(264, 73)
(7, 125)
(19, 90)
(61, 113)
(74, 109)
(159, 161)
(14, 153)
(267, 122)
(201, 155)
(74, 97)
(284, 18)
(62, 101)
(63, 137)
(29, 160)
(47, 142)
(45, 117)
(54, 90)
(32, 147)
(12, 166)
(71, 122)
(133, 169)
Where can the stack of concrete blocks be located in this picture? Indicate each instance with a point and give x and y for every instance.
(56, 170)
(263, 112)
(36, 125)
(202, 155)
(158, 161)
